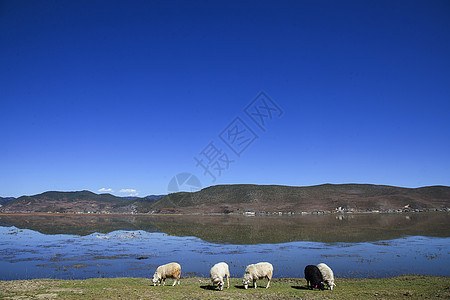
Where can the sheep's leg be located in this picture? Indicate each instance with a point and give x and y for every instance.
(254, 282)
(228, 282)
(175, 282)
(164, 282)
(268, 283)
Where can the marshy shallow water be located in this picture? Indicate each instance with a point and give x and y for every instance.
(75, 247)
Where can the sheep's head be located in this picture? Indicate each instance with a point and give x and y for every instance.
(156, 279)
(220, 284)
(331, 284)
(246, 280)
(320, 286)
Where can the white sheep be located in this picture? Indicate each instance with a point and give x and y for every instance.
(258, 271)
(170, 270)
(327, 275)
(218, 272)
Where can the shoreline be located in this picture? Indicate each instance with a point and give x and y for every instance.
(190, 276)
(443, 211)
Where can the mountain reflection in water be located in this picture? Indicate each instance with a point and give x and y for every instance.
(346, 228)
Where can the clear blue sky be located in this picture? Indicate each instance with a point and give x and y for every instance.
(122, 95)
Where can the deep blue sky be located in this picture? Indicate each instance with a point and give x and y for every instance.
(123, 94)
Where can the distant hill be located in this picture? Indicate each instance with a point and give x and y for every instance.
(5, 200)
(69, 202)
(153, 197)
(149, 197)
(327, 197)
(132, 198)
(239, 198)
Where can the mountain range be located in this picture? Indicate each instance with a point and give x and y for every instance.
(4, 200)
(75, 202)
(242, 198)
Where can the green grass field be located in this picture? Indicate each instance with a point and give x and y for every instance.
(410, 286)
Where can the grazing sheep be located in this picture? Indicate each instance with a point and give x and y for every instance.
(218, 272)
(313, 276)
(170, 270)
(327, 275)
(258, 271)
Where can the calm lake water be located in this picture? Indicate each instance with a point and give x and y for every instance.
(76, 247)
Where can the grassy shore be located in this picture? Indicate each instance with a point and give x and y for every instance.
(410, 286)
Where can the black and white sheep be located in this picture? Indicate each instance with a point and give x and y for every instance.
(218, 272)
(327, 275)
(170, 270)
(313, 276)
(257, 271)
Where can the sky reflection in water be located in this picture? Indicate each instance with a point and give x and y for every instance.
(29, 254)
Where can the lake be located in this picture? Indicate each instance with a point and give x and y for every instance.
(77, 247)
